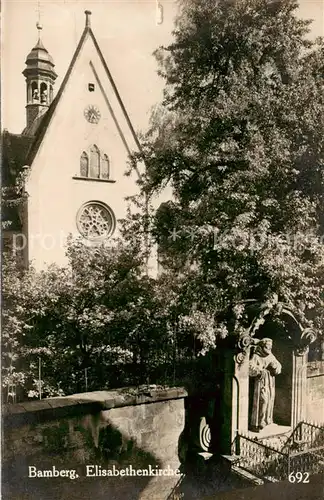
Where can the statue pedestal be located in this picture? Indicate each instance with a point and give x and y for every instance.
(270, 431)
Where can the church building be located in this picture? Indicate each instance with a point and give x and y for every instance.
(70, 160)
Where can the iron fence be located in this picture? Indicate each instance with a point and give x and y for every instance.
(303, 452)
(259, 459)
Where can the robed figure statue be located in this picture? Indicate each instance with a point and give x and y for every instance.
(263, 367)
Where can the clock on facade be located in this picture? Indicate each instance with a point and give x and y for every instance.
(92, 113)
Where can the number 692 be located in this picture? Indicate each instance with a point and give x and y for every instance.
(299, 477)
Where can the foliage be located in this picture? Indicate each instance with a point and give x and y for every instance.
(100, 322)
(240, 139)
(13, 198)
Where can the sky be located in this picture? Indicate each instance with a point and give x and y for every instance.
(127, 32)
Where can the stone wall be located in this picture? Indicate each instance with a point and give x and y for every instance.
(116, 428)
(315, 391)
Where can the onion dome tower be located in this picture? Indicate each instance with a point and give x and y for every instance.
(40, 78)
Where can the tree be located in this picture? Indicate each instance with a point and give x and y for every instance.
(240, 138)
(100, 322)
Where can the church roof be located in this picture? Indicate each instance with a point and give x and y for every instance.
(15, 149)
(39, 60)
(33, 127)
(39, 53)
(41, 131)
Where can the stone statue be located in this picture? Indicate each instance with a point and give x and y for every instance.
(263, 367)
(36, 95)
(44, 97)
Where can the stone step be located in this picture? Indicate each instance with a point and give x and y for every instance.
(242, 473)
(247, 476)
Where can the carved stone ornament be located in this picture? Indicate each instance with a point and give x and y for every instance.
(240, 357)
(307, 337)
(243, 344)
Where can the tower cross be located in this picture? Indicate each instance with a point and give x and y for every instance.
(39, 24)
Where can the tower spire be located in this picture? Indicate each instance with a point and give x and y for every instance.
(40, 77)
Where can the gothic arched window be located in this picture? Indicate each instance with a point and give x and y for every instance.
(104, 173)
(94, 162)
(84, 165)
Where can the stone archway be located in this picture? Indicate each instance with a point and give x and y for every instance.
(236, 357)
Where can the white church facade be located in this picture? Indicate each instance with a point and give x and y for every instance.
(72, 154)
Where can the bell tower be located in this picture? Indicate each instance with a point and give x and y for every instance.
(40, 78)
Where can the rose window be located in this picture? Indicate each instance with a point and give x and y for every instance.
(95, 221)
